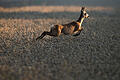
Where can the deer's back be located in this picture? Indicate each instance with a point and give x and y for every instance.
(70, 28)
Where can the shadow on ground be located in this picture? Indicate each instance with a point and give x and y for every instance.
(20, 3)
(51, 15)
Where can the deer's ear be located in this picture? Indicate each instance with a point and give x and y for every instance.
(83, 8)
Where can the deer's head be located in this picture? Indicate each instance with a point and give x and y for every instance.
(84, 14)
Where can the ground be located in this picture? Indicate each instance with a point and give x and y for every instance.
(93, 55)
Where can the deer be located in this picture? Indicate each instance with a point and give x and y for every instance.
(74, 27)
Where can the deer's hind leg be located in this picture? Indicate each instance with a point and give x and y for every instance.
(55, 31)
(43, 34)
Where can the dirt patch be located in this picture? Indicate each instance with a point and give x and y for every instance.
(93, 55)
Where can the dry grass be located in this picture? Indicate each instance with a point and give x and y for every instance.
(46, 9)
(94, 55)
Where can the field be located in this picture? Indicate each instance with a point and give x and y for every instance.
(93, 55)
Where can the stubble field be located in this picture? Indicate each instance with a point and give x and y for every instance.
(93, 55)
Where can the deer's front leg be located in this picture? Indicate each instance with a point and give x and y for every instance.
(79, 31)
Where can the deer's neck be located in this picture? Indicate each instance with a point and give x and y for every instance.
(80, 20)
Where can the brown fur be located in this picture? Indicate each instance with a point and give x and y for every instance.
(66, 29)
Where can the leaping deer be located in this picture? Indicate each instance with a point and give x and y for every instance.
(70, 28)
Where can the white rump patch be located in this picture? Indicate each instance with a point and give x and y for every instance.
(51, 26)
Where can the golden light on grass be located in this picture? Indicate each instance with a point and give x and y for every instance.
(46, 9)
